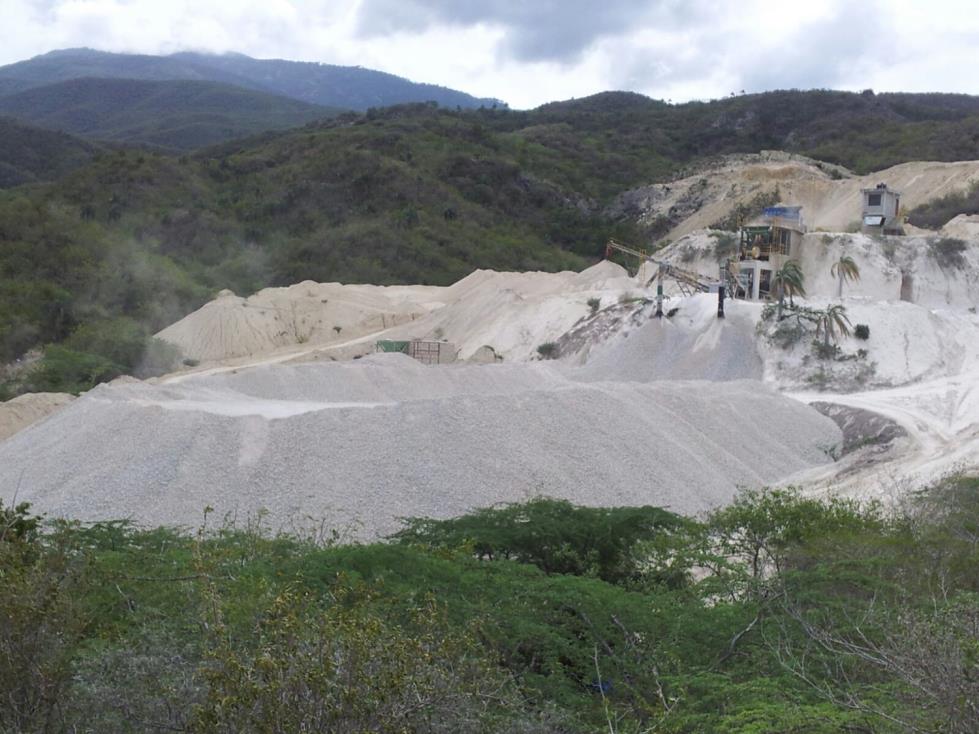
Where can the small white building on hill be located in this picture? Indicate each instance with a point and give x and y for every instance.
(881, 212)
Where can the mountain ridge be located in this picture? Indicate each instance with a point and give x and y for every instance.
(328, 85)
(169, 114)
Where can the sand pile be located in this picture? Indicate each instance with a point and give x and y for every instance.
(384, 437)
(517, 312)
(18, 413)
(964, 226)
(308, 312)
(510, 312)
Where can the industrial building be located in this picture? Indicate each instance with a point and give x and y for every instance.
(764, 247)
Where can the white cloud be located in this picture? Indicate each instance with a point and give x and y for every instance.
(532, 52)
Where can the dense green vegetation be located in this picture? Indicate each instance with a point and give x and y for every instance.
(174, 115)
(776, 614)
(29, 154)
(344, 87)
(936, 213)
(407, 194)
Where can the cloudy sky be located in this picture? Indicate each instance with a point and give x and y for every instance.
(532, 51)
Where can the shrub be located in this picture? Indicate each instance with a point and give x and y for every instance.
(42, 622)
(725, 245)
(159, 357)
(861, 331)
(825, 351)
(350, 668)
(937, 212)
(748, 210)
(65, 370)
(594, 304)
(948, 252)
(121, 341)
(554, 535)
(787, 333)
(548, 350)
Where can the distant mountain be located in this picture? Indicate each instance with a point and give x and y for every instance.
(29, 154)
(177, 114)
(348, 87)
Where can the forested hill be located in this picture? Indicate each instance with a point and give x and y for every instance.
(347, 87)
(29, 154)
(407, 194)
(629, 139)
(177, 115)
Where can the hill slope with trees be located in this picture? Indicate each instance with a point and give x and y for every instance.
(179, 115)
(29, 154)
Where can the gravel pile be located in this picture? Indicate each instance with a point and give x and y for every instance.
(693, 344)
(362, 444)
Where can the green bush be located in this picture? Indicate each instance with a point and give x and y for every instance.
(65, 370)
(107, 627)
(548, 350)
(938, 212)
(948, 252)
(554, 535)
(159, 357)
(725, 245)
(861, 331)
(822, 350)
(594, 304)
(120, 341)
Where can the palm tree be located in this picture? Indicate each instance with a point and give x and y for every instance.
(834, 323)
(845, 269)
(788, 281)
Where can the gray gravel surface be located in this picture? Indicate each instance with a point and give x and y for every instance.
(361, 444)
(690, 345)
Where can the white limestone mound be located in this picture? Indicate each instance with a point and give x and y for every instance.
(363, 443)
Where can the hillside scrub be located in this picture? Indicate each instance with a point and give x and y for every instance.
(938, 212)
(777, 613)
(948, 252)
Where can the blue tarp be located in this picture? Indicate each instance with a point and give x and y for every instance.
(783, 212)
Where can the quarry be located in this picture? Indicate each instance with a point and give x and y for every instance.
(670, 378)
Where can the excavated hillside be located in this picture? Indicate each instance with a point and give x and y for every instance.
(829, 194)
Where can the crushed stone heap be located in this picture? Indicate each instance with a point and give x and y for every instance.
(360, 444)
